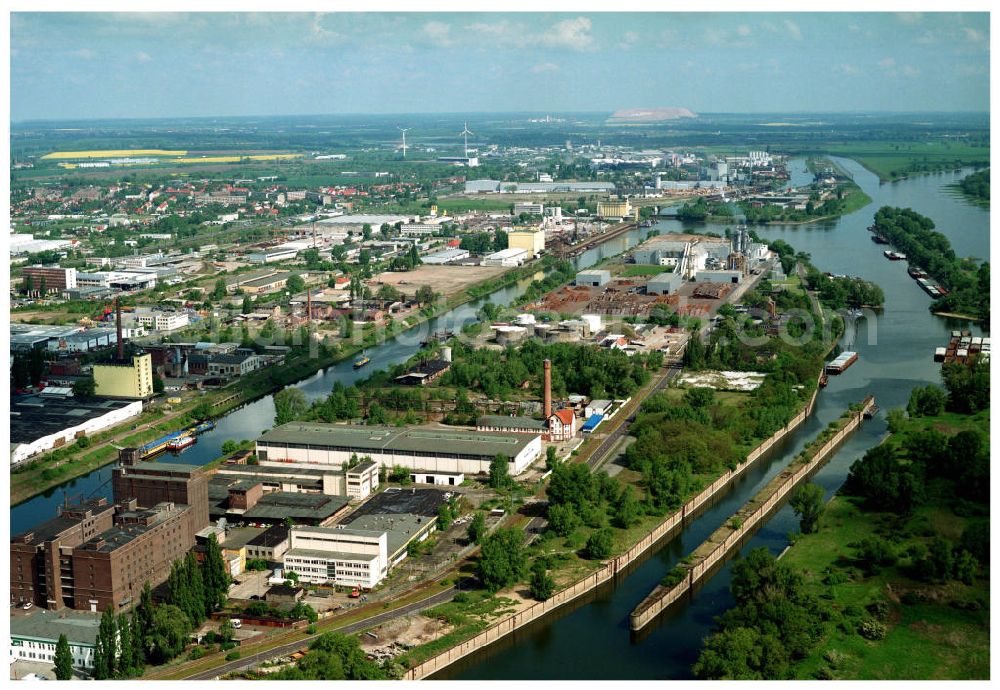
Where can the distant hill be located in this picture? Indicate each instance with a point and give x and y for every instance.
(642, 115)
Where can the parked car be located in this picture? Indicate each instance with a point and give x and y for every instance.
(236, 623)
(27, 605)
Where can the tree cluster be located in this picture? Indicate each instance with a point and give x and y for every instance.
(775, 622)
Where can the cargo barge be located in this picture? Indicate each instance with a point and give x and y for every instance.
(841, 362)
(963, 348)
(878, 239)
(894, 256)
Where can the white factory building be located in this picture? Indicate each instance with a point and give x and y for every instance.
(427, 449)
(506, 257)
(339, 555)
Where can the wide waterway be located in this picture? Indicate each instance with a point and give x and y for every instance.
(250, 420)
(590, 639)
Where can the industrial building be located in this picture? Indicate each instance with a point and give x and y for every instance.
(244, 500)
(33, 637)
(265, 284)
(498, 187)
(529, 207)
(131, 380)
(506, 257)
(151, 483)
(36, 555)
(614, 208)
(357, 482)
(84, 341)
(270, 545)
(160, 320)
(445, 256)
(47, 279)
(110, 568)
(338, 555)
(418, 448)
(665, 283)
(356, 222)
(38, 423)
(593, 278)
(404, 515)
(532, 240)
(25, 337)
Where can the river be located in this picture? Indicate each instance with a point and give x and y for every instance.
(590, 638)
(250, 420)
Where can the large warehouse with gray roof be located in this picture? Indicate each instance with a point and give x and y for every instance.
(419, 448)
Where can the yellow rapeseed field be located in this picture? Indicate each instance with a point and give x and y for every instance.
(237, 159)
(118, 153)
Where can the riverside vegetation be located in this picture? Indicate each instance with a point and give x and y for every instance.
(893, 583)
(967, 280)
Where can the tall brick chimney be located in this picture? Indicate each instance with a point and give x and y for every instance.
(309, 310)
(548, 389)
(118, 327)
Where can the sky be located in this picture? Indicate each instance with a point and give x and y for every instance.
(125, 65)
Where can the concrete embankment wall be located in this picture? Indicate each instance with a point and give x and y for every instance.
(612, 568)
(662, 597)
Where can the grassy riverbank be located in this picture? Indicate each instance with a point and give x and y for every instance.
(894, 582)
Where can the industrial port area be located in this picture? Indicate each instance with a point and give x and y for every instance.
(560, 391)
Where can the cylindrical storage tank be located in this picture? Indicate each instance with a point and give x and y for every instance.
(446, 354)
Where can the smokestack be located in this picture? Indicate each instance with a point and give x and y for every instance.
(309, 311)
(548, 389)
(118, 327)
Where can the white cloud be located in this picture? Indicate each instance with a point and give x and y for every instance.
(84, 54)
(743, 30)
(909, 71)
(887, 63)
(545, 67)
(143, 56)
(845, 68)
(438, 33)
(570, 33)
(793, 30)
(973, 35)
(927, 38)
(909, 17)
(319, 33)
(629, 38)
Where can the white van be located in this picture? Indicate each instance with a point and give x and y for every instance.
(236, 623)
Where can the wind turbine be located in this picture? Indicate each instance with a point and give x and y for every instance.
(404, 131)
(465, 133)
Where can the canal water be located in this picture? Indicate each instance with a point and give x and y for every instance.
(590, 639)
(250, 420)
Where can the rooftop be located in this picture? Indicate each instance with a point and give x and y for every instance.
(511, 422)
(32, 417)
(275, 534)
(428, 440)
(60, 523)
(79, 627)
(122, 534)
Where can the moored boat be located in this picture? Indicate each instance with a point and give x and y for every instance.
(181, 443)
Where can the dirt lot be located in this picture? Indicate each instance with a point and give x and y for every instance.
(448, 280)
(407, 631)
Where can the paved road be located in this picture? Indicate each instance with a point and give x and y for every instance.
(608, 443)
(282, 650)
